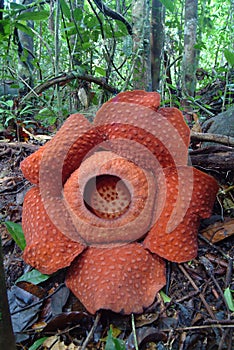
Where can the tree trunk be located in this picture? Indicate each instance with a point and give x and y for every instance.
(7, 340)
(189, 56)
(141, 45)
(25, 53)
(75, 40)
(157, 42)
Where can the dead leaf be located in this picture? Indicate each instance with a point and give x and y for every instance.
(69, 319)
(219, 230)
(144, 336)
(54, 343)
(24, 308)
(196, 126)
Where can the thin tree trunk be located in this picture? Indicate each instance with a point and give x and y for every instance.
(141, 45)
(157, 42)
(189, 56)
(7, 340)
(25, 53)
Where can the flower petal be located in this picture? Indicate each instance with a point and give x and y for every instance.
(130, 226)
(139, 97)
(30, 165)
(152, 100)
(124, 279)
(61, 156)
(190, 196)
(48, 250)
(75, 127)
(166, 138)
(175, 117)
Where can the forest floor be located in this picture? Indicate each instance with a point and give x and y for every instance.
(196, 315)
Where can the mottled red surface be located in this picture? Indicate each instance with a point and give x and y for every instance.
(113, 236)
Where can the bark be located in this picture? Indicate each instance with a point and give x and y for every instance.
(207, 137)
(189, 56)
(113, 14)
(219, 158)
(157, 42)
(141, 45)
(25, 50)
(76, 40)
(7, 340)
(1, 15)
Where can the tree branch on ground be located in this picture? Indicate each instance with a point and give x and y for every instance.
(213, 157)
(207, 137)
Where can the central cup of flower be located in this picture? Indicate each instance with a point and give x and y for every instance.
(109, 199)
(107, 196)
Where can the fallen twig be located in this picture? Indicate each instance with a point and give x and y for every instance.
(210, 312)
(213, 157)
(20, 145)
(91, 333)
(199, 136)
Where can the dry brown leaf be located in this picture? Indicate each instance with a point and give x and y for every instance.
(53, 343)
(219, 230)
(196, 126)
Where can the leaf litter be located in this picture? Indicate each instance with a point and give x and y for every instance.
(195, 311)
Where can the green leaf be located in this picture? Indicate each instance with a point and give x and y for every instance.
(5, 25)
(78, 14)
(114, 343)
(65, 9)
(229, 298)
(34, 16)
(34, 277)
(90, 21)
(100, 71)
(165, 297)
(24, 28)
(168, 4)
(229, 55)
(122, 29)
(94, 35)
(14, 6)
(37, 343)
(16, 233)
(8, 103)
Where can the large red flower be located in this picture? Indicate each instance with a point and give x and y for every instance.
(112, 199)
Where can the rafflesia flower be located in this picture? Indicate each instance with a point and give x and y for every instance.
(113, 199)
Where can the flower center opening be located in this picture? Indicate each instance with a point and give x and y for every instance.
(107, 196)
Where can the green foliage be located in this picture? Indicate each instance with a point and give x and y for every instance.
(165, 297)
(7, 114)
(98, 45)
(229, 298)
(46, 116)
(229, 55)
(33, 16)
(37, 343)
(168, 4)
(16, 233)
(34, 277)
(113, 343)
(65, 9)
